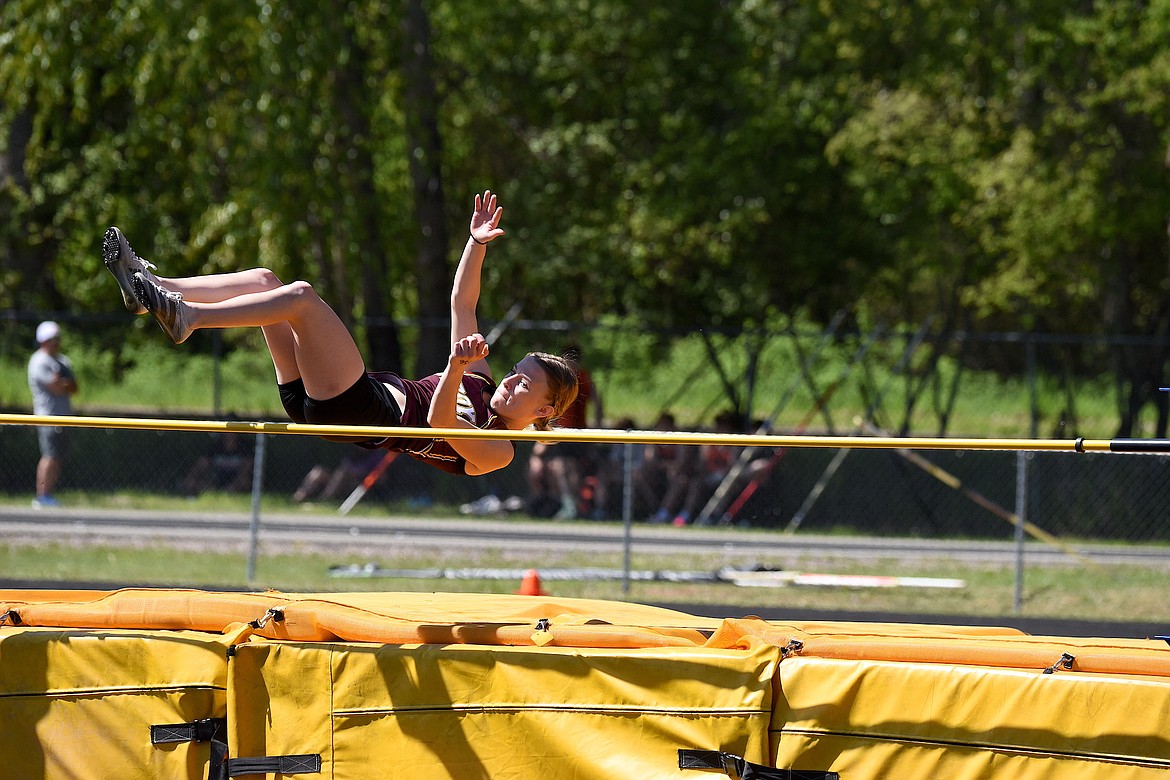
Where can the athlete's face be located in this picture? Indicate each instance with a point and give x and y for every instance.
(522, 395)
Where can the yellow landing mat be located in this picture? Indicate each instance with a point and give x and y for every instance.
(146, 683)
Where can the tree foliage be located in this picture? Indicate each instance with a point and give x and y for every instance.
(996, 164)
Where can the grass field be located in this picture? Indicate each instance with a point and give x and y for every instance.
(638, 378)
(1057, 591)
(683, 380)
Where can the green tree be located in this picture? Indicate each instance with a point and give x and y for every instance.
(688, 165)
(1016, 166)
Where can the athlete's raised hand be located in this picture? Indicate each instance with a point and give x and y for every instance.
(485, 219)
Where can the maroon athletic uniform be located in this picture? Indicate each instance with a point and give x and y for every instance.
(471, 407)
(369, 402)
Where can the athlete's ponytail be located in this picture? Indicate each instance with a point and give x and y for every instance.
(562, 386)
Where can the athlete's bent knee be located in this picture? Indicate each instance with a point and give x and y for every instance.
(263, 278)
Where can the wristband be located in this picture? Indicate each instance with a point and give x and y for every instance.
(476, 240)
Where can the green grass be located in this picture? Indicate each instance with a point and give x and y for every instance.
(986, 404)
(160, 379)
(211, 501)
(636, 376)
(1098, 593)
(639, 380)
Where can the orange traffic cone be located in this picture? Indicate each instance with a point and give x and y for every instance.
(530, 585)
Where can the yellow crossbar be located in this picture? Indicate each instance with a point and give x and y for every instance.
(602, 435)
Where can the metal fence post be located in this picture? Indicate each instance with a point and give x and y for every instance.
(1021, 518)
(627, 514)
(1022, 459)
(257, 486)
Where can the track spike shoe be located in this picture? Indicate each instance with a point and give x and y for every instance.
(123, 263)
(167, 307)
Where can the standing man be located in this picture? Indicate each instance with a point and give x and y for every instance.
(51, 380)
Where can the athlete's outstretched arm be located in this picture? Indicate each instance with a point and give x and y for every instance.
(465, 289)
(482, 456)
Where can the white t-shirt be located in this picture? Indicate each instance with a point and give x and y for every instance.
(43, 368)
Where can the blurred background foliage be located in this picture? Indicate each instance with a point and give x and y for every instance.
(982, 164)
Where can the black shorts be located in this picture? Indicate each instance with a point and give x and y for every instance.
(366, 402)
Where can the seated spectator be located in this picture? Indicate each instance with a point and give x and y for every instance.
(715, 461)
(607, 484)
(759, 464)
(556, 472)
(325, 483)
(661, 479)
(227, 466)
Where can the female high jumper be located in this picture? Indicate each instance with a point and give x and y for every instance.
(320, 372)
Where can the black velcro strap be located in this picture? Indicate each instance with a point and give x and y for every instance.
(700, 759)
(195, 731)
(213, 730)
(283, 765)
(745, 770)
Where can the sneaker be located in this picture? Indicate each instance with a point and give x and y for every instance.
(488, 505)
(45, 502)
(166, 306)
(568, 510)
(660, 517)
(123, 263)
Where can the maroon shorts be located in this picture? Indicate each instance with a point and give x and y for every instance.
(366, 402)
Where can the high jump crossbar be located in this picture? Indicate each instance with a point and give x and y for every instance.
(601, 435)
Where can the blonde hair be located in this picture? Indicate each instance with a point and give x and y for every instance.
(562, 385)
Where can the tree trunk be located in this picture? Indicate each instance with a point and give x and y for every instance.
(17, 254)
(384, 347)
(421, 107)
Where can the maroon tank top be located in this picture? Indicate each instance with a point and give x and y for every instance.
(470, 406)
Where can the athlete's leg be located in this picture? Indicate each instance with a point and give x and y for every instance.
(125, 264)
(295, 320)
(214, 288)
(122, 261)
(282, 348)
(221, 287)
(324, 351)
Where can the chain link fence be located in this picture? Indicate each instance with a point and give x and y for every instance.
(942, 494)
(957, 496)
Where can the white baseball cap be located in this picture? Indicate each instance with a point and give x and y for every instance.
(47, 331)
